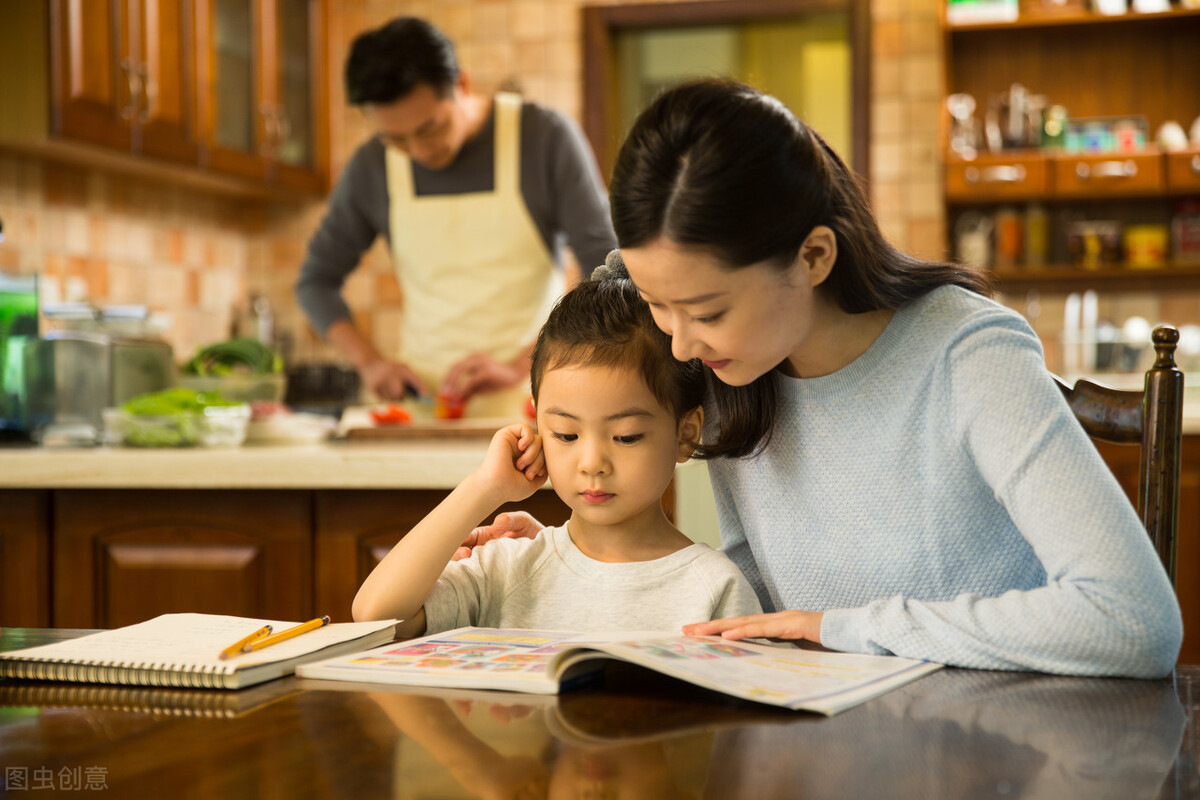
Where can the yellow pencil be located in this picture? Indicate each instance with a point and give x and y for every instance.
(237, 646)
(296, 630)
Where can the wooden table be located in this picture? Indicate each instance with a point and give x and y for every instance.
(954, 734)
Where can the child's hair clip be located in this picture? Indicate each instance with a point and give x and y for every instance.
(613, 268)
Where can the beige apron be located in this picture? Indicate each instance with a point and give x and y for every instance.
(476, 275)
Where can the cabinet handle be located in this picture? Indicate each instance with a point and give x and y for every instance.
(282, 126)
(1014, 173)
(1196, 165)
(149, 93)
(1106, 169)
(134, 82)
(270, 132)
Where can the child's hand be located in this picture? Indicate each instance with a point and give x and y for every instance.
(515, 464)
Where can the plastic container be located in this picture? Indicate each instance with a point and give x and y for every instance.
(218, 426)
(241, 388)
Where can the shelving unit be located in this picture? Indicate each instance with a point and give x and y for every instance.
(1094, 65)
(1068, 278)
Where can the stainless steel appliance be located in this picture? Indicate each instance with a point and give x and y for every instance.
(94, 359)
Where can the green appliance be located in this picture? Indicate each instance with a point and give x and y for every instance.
(18, 332)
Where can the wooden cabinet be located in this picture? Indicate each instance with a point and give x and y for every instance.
(356, 529)
(25, 558)
(123, 75)
(1183, 171)
(125, 556)
(227, 93)
(1124, 66)
(81, 558)
(262, 89)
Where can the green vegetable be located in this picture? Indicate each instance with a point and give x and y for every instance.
(170, 418)
(180, 430)
(236, 355)
(174, 401)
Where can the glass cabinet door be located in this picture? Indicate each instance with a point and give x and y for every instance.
(233, 74)
(262, 59)
(293, 116)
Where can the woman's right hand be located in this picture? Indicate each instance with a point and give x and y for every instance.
(508, 525)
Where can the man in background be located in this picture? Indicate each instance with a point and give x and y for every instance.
(476, 196)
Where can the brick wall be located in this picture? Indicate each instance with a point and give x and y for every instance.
(197, 257)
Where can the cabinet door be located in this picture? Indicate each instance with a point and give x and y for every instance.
(94, 81)
(164, 61)
(292, 57)
(1109, 175)
(1183, 171)
(260, 66)
(1011, 176)
(232, 131)
(121, 557)
(25, 558)
(356, 529)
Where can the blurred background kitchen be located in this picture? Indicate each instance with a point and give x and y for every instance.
(194, 194)
(163, 164)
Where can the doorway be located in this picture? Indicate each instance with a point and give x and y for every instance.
(811, 54)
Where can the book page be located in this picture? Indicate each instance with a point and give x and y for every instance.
(472, 656)
(822, 681)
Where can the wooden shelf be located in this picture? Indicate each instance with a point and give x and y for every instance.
(1064, 278)
(1067, 18)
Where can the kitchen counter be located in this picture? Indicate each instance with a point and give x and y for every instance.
(337, 464)
(414, 464)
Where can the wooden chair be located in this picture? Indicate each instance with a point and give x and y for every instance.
(1153, 418)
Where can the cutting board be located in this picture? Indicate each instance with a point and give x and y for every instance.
(357, 425)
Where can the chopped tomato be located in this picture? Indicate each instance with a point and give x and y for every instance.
(530, 408)
(448, 408)
(390, 415)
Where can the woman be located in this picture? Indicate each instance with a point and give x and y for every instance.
(894, 469)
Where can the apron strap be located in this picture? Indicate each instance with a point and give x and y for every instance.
(507, 114)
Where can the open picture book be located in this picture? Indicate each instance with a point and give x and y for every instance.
(184, 650)
(546, 662)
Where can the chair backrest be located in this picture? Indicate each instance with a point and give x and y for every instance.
(1152, 418)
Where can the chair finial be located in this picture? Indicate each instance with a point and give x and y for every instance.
(1165, 337)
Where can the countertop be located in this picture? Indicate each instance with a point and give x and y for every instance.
(413, 464)
(336, 464)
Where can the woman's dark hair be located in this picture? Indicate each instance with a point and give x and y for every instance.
(605, 323)
(387, 63)
(719, 166)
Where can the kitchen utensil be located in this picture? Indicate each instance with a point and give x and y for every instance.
(964, 131)
(321, 388)
(67, 380)
(973, 233)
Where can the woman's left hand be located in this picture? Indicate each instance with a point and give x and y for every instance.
(780, 625)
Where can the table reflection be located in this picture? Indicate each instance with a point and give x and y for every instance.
(953, 734)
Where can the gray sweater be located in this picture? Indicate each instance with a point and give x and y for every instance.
(560, 183)
(937, 499)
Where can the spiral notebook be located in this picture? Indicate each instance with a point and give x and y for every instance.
(184, 649)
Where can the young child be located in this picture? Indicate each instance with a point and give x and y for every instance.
(615, 412)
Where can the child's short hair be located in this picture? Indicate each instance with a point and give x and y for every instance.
(605, 323)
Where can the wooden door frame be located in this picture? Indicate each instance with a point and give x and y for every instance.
(602, 23)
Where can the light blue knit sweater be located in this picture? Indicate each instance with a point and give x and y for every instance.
(937, 500)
